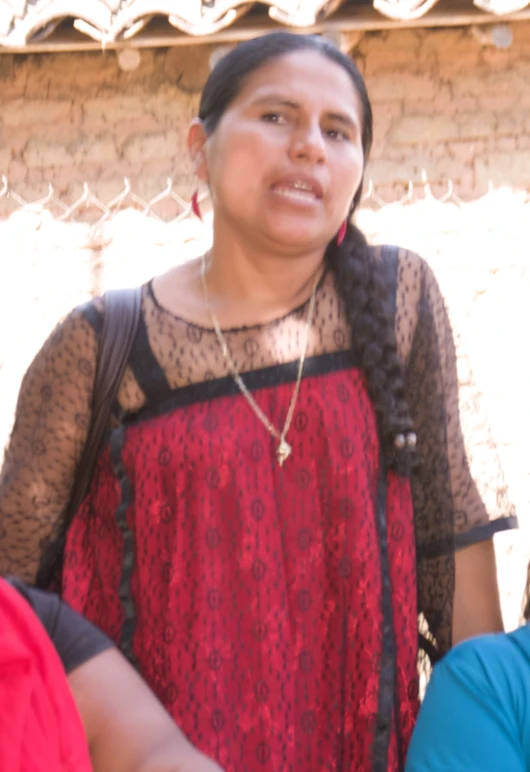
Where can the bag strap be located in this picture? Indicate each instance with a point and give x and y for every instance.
(121, 318)
(122, 313)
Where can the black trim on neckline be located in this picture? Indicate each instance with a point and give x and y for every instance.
(266, 377)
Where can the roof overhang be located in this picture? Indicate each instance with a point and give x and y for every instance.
(60, 25)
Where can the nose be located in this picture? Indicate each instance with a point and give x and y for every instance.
(308, 144)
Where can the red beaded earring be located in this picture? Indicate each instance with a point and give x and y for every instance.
(195, 208)
(341, 235)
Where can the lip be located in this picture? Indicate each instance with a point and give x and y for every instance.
(290, 180)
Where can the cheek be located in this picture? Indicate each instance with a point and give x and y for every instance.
(236, 168)
(347, 172)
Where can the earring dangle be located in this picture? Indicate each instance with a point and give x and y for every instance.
(341, 235)
(195, 208)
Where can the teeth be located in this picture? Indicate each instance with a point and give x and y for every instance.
(297, 194)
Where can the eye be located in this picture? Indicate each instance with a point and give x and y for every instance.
(337, 135)
(272, 117)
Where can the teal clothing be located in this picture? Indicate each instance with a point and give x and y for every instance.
(476, 712)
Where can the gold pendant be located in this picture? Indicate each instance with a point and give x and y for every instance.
(283, 452)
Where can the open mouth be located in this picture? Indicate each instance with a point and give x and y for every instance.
(298, 191)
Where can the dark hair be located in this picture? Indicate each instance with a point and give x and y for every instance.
(358, 273)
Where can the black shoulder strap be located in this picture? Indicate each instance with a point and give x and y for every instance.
(121, 319)
(122, 314)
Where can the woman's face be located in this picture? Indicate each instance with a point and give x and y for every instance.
(286, 159)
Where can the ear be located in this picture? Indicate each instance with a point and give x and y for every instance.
(197, 139)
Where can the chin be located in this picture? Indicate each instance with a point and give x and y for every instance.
(297, 244)
(300, 239)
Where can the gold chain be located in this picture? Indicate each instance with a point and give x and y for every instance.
(283, 450)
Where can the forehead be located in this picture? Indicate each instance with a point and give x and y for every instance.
(305, 77)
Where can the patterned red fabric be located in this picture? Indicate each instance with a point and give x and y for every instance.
(255, 589)
(40, 728)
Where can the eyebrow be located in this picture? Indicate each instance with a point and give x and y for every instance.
(279, 100)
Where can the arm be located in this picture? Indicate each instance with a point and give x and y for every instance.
(457, 588)
(477, 605)
(468, 720)
(127, 729)
(50, 429)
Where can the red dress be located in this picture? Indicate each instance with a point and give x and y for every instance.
(250, 595)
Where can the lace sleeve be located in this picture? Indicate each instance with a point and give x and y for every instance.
(50, 429)
(456, 503)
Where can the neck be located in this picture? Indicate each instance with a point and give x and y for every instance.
(260, 283)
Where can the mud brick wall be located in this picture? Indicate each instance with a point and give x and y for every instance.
(443, 103)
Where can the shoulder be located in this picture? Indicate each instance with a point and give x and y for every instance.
(404, 257)
(492, 648)
(122, 301)
(44, 605)
(411, 271)
(90, 313)
(407, 277)
(80, 321)
(88, 318)
(497, 665)
(72, 344)
(74, 638)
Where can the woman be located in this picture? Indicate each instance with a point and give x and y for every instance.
(255, 537)
(103, 718)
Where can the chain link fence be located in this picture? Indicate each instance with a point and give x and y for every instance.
(169, 206)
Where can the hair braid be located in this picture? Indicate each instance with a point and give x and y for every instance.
(361, 284)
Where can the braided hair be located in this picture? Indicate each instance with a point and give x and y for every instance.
(358, 274)
(364, 293)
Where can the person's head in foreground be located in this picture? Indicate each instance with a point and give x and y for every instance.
(476, 712)
(69, 701)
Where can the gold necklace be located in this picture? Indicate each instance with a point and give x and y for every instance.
(284, 449)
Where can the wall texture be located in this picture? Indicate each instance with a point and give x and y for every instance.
(449, 105)
(443, 103)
